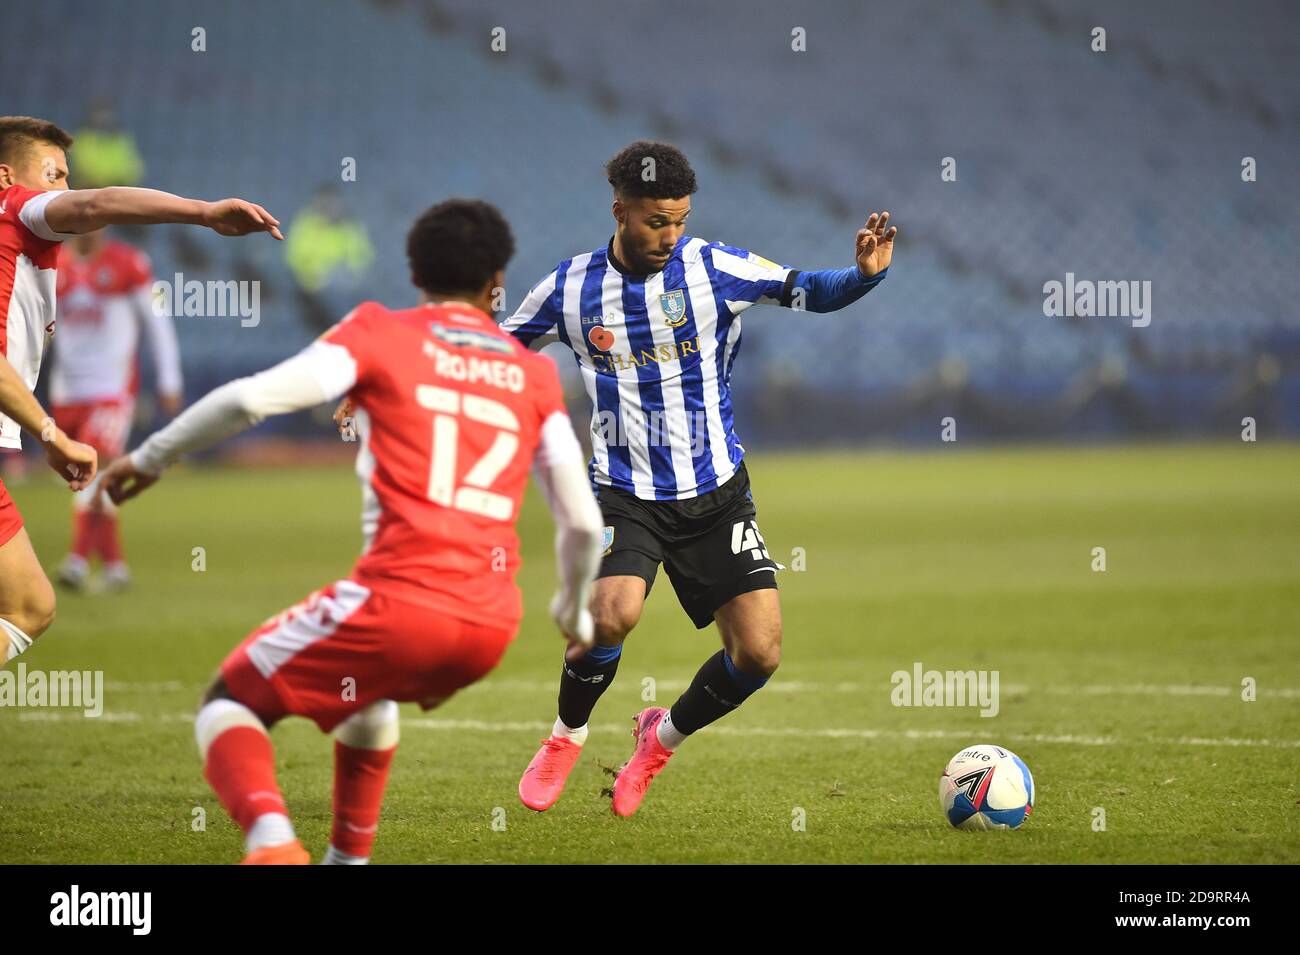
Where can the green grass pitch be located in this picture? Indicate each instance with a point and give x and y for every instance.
(1121, 689)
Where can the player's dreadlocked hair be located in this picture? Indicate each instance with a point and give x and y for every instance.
(651, 170)
(18, 133)
(457, 245)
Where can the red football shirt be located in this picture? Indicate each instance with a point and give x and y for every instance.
(450, 412)
(103, 301)
(28, 262)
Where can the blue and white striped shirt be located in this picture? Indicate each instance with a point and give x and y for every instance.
(656, 353)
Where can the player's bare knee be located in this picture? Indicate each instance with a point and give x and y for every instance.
(613, 622)
(37, 613)
(764, 662)
(774, 648)
(43, 623)
(759, 656)
(772, 658)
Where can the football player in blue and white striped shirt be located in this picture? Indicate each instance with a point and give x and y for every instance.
(653, 318)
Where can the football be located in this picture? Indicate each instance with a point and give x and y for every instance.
(986, 787)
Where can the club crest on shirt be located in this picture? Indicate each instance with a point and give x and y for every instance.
(607, 540)
(674, 305)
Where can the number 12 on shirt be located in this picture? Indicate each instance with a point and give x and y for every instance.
(472, 495)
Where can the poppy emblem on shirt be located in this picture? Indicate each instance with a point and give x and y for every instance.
(601, 337)
(674, 305)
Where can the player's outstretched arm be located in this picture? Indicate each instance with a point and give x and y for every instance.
(85, 210)
(322, 372)
(73, 461)
(832, 289)
(561, 474)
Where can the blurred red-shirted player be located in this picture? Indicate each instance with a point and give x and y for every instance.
(105, 300)
(37, 212)
(452, 414)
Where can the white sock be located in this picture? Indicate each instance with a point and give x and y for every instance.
(334, 857)
(269, 829)
(563, 731)
(16, 641)
(668, 735)
(375, 727)
(218, 716)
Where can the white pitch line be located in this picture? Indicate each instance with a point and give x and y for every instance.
(798, 686)
(540, 726)
(509, 685)
(75, 713)
(852, 733)
(1148, 689)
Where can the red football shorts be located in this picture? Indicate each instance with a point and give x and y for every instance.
(11, 522)
(347, 646)
(103, 424)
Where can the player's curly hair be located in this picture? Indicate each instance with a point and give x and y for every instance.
(18, 133)
(669, 176)
(457, 245)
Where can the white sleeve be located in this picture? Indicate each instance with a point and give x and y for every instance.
(32, 215)
(561, 474)
(537, 316)
(157, 320)
(319, 373)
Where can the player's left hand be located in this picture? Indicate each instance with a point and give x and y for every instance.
(73, 461)
(121, 481)
(875, 244)
(237, 217)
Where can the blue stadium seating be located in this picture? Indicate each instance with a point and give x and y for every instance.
(1116, 165)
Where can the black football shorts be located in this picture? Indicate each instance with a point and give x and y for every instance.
(710, 545)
